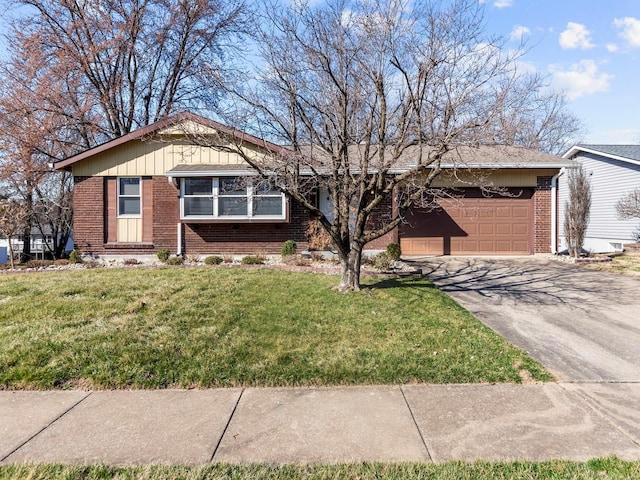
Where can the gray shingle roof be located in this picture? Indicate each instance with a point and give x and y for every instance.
(631, 152)
(483, 157)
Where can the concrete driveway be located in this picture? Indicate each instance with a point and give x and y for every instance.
(583, 325)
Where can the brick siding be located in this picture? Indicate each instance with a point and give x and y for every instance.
(380, 216)
(247, 238)
(542, 211)
(92, 226)
(166, 214)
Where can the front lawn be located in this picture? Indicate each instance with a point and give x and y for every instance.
(607, 468)
(223, 327)
(627, 263)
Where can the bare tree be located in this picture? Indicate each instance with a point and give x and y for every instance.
(540, 121)
(138, 60)
(81, 73)
(11, 222)
(373, 97)
(629, 205)
(36, 128)
(577, 210)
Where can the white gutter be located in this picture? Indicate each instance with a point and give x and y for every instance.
(554, 210)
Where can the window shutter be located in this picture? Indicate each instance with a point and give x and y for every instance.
(147, 209)
(111, 207)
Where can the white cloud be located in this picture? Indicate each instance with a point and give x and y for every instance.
(503, 3)
(498, 3)
(581, 79)
(630, 30)
(576, 36)
(612, 47)
(518, 32)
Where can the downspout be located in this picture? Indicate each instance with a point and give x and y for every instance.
(554, 210)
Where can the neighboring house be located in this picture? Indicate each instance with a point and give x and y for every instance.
(135, 195)
(41, 242)
(613, 172)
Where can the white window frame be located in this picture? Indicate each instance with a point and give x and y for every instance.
(231, 218)
(139, 196)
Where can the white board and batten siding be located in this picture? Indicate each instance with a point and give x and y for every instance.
(610, 180)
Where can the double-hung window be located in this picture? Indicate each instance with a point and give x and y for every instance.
(230, 198)
(129, 197)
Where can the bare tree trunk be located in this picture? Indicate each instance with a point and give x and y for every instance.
(351, 263)
(28, 220)
(11, 262)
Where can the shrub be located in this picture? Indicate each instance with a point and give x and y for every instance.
(75, 256)
(319, 238)
(131, 261)
(38, 263)
(393, 252)
(213, 260)
(163, 255)
(61, 262)
(381, 261)
(175, 261)
(252, 260)
(296, 260)
(227, 258)
(192, 258)
(289, 248)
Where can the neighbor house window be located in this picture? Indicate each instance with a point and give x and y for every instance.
(232, 198)
(128, 197)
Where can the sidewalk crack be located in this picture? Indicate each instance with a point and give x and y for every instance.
(45, 427)
(424, 442)
(592, 405)
(226, 427)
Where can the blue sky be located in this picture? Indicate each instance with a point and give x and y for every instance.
(588, 48)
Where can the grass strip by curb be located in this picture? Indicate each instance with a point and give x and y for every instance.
(610, 468)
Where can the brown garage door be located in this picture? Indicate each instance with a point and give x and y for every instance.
(472, 225)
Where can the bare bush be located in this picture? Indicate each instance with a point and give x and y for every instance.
(577, 210)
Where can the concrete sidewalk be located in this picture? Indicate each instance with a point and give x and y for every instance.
(378, 423)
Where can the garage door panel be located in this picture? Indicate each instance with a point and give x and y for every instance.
(520, 212)
(520, 228)
(487, 212)
(487, 229)
(503, 229)
(473, 225)
(503, 212)
(471, 229)
(520, 247)
(503, 246)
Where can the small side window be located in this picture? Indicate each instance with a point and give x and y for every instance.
(128, 197)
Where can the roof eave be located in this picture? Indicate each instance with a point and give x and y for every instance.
(578, 148)
(162, 124)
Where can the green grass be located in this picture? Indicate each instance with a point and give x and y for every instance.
(627, 263)
(609, 468)
(222, 327)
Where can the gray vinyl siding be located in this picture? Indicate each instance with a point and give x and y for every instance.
(610, 180)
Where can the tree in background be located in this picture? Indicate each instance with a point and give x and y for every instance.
(629, 207)
(11, 221)
(374, 97)
(81, 73)
(577, 210)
